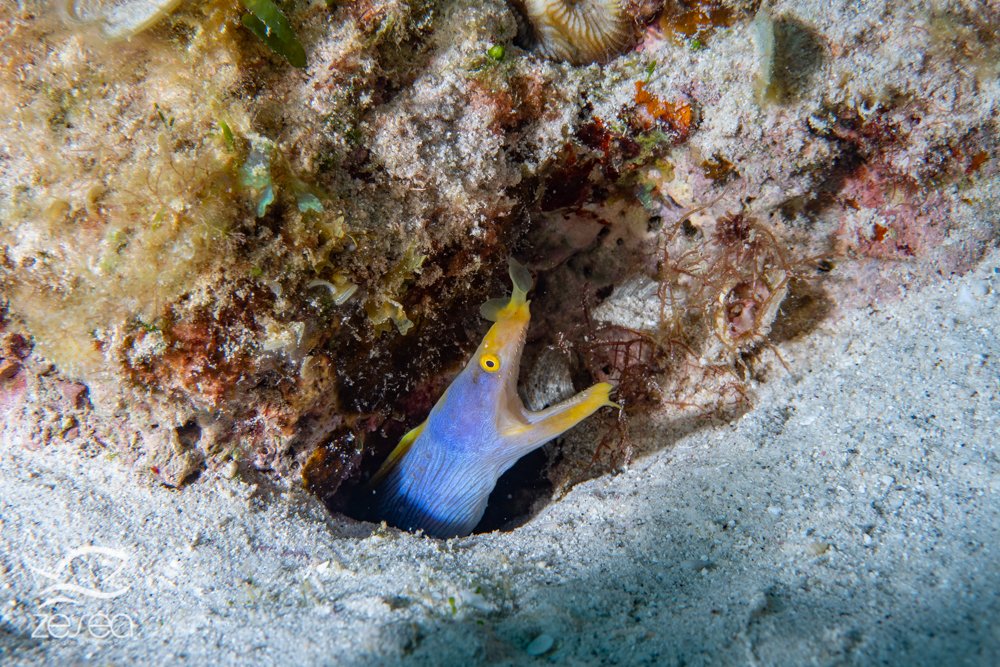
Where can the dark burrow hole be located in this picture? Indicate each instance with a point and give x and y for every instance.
(189, 434)
(517, 494)
(339, 472)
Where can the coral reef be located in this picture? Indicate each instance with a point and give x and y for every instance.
(219, 255)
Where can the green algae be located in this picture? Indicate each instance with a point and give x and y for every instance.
(272, 27)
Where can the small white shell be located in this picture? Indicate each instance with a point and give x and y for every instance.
(540, 645)
(579, 31)
(118, 19)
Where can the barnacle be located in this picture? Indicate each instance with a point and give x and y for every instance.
(579, 31)
(745, 310)
(341, 289)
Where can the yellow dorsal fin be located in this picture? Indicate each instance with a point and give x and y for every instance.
(404, 446)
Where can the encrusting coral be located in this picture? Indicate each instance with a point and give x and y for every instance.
(579, 31)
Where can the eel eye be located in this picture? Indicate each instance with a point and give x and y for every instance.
(489, 363)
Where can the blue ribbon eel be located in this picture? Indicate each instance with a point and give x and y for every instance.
(439, 477)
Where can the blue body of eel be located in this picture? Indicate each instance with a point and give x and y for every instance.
(439, 478)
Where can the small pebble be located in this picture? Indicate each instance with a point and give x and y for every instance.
(540, 645)
(818, 548)
(8, 369)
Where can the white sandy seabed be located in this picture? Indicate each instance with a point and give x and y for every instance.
(850, 518)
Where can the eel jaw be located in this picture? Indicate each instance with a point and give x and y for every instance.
(521, 430)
